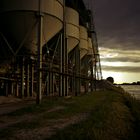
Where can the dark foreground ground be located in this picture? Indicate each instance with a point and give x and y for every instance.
(102, 115)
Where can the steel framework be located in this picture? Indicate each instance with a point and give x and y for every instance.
(53, 70)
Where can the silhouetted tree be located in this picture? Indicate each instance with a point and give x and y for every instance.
(110, 79)
(138, 83)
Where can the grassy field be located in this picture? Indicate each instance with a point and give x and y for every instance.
(101, 115)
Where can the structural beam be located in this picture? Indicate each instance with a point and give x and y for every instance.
(39, 59)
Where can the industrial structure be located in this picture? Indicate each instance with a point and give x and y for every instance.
(47, 47)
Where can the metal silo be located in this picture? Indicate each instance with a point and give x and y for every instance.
(83, 41)
(90, 49)
(26, 26)
(72, 28)
(19, 22)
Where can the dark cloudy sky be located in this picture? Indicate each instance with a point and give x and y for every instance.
(118, 29)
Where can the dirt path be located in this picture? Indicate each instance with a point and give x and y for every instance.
(11, 104)
(47, 129)
(6, 121)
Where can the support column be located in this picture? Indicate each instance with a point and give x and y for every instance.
(12, 88)
(50, 84)
(39, 59)
(92, 76)
(61, 67)
(52, 90)
(22, 79)
(17, 89)
(64, 58)
(27, 79)
(32, 80)
(95, 72)
(77, 70)
(73, 82)
(7, 87)
(65, 69)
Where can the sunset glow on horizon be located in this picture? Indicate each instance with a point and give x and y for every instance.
(123, 66)
(121, 77)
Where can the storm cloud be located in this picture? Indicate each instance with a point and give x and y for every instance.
(117, 25)
(122, 69)
(120, 55)
(118, 20)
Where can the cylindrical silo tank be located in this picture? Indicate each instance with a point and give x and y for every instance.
(19, 21)
(90, 49)
(72, 28)
(83, 42)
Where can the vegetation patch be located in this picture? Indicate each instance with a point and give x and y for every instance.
(101, 115)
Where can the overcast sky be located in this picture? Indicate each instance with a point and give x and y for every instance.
(118, 29)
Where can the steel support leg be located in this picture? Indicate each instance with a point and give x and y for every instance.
(22, 79)
(27, 79)
(39, 60)
(32, 80)
(77, 70)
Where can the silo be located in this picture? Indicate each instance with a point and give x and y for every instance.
(19, 27)
(90, 49)
(83, 42)
(19, 22)
(72, 28)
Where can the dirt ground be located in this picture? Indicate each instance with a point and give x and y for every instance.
(10, 104)
(49, 128)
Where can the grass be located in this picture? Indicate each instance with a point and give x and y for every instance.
(111, 115)
(110, 119)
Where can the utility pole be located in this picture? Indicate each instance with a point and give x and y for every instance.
(39, 56)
